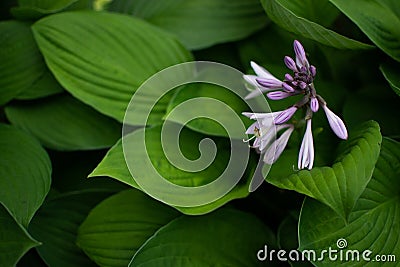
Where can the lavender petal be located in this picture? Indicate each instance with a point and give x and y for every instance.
(269, 83)
(336, 123)
(306, 153)
(285, 115)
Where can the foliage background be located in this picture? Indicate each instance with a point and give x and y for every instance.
(68, 71)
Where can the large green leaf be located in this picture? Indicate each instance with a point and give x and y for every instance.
(202, 106)
(64, 123)
(198, 23)
(56, 226)
(291, 16)
(33, 9)
(378, 19)
(25, 174)
(373, 223)
(118, 55)
(114, 165)
(117, 227)
(20, 61)
(46, 85)
(227, 238)
(14, 239)
(391, 72)
(341, 185)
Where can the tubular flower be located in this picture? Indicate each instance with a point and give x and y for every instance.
(300, 82)
(306, 154)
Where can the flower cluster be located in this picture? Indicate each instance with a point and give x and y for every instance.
(268, 124)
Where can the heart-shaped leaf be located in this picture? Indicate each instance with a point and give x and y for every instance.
(289, 16)
(114, 165)
(56, 226)
(373, 223)
(228, 238)
(341, 185)
(118, 55)
(64, 123)
(378, 19)
(14, 239)
(20, 61)
(117, 227)
(25, 173)
(198, 23)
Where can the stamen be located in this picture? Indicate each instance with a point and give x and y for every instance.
(248, 140)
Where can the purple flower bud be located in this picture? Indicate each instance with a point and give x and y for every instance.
(306, 154)
(278, 95)
(314, 105)
(301, 58)
(269, 83)
(288, 88)
(285, 115)
(313, 70)
(288, 77)
(290, 63)
(302, 85)
(336, 123)
(276, 148)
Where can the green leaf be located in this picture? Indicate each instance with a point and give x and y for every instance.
(198, 23)
(14, 239)
(119, 226)
(373, 223)
(118, 55)
(222, 114)
(46, 85)
(289, 16)
(341, 185)
(392, 75)
(114, 165)
(34, 9)
(378, 20)
(20, 61)
(56, 226)
(25, 174)
(64, 123)
(228, 238)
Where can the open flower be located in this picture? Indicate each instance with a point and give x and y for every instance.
(300, 82)
(276, 148)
